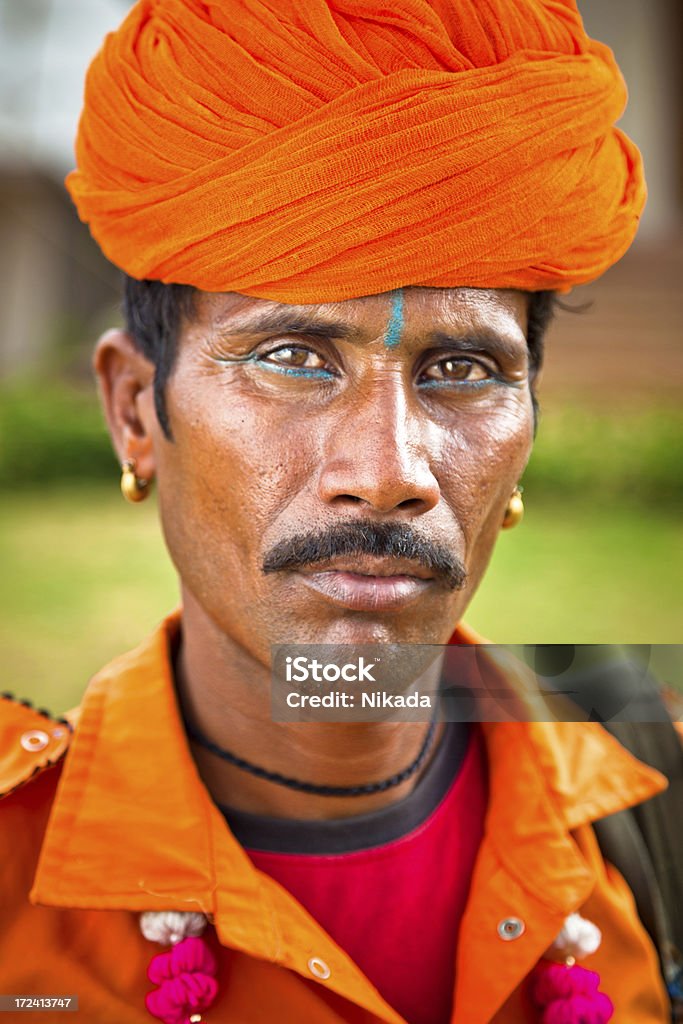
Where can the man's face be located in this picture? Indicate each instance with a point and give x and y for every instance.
(339, 473)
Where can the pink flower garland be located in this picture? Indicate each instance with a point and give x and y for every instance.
(568, 994)
(185, 974)
(564, 992)
(186, 981)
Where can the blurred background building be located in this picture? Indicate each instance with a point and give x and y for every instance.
(53, 280)
(55, 285)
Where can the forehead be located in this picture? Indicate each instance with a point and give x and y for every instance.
(499, 311)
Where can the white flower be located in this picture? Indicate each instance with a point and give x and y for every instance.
(170, 926)
(578, 938)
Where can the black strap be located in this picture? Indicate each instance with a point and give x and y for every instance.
(644, 843)
(660, 819)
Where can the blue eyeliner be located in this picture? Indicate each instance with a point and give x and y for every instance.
(296, 371)
(454, 385)
(395, 325)
(258, 359)
(391, 339)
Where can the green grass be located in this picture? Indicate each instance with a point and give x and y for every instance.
(585, 573)
(86, 576)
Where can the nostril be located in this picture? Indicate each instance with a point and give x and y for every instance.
(378, 482)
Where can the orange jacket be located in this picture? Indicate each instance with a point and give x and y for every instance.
(120, 822)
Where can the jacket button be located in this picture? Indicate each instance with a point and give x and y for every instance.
(34, 740)
(319, 968)
(510, 928)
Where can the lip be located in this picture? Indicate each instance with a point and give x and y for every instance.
(372, 565)
(366, 592)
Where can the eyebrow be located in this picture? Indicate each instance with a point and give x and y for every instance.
(283, 321)
(476, 339)
(286, 321)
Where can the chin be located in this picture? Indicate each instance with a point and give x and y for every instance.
(354, 628)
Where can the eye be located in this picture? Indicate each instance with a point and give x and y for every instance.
(295, 357)
(456, 370)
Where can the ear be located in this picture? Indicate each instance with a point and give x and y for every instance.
(126, 382)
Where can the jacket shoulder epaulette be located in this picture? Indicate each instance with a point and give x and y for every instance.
(31, 740)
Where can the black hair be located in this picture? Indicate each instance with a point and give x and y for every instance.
(542, 308)
(155, 313)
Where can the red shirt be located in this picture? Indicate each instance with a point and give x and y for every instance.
(394, 906)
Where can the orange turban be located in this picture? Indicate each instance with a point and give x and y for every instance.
(318, 150)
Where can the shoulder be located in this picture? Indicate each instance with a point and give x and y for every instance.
(31, 742)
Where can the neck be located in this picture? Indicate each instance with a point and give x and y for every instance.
(224, 691)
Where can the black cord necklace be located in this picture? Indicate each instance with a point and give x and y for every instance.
(312, 787)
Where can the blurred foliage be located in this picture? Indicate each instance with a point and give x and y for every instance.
(636, 457)
(54, 433)
(51, 433)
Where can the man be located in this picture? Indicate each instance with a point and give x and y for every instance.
(358, 213)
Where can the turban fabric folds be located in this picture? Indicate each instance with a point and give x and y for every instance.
(318, 150)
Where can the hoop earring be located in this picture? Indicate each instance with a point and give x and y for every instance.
(514, 513)
(133, 488)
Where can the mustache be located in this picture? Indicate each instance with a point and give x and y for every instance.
(386, 540)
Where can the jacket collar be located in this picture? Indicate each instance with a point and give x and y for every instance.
(133, 826)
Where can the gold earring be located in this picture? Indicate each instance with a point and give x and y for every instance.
(132, 487)
(514, 513)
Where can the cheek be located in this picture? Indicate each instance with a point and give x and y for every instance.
(221, 477)
(486, 458)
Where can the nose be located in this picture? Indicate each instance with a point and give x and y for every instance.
(378, 455)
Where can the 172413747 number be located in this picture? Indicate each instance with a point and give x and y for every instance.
(38, 1002)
